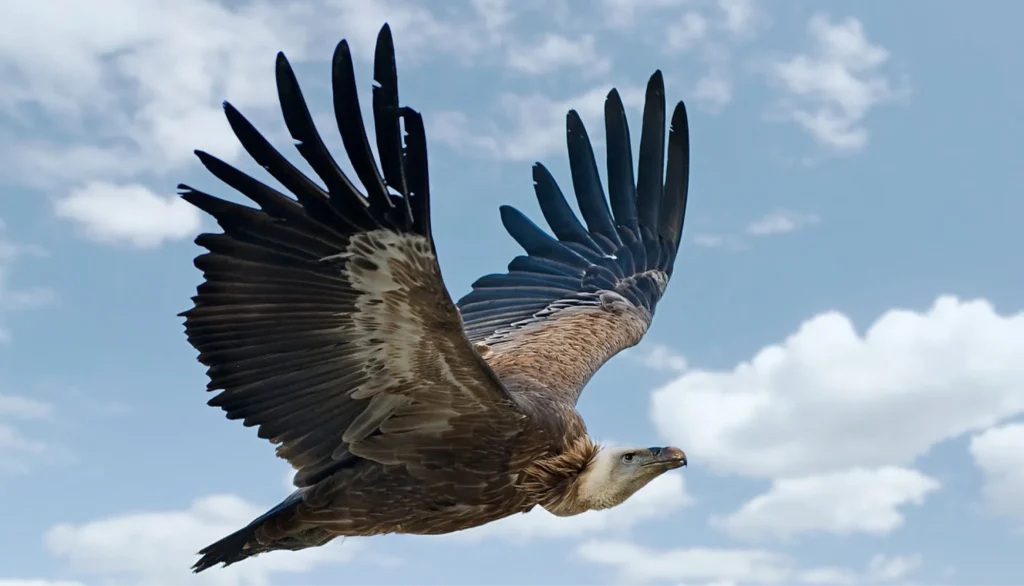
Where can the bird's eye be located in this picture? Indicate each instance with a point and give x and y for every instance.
(627, 458)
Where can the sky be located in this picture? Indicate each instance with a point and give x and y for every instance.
(839, 351)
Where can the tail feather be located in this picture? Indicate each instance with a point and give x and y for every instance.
(233, 548)
(243, 543)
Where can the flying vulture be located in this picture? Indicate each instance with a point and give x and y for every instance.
(325, 323)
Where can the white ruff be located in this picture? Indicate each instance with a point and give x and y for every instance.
(596, 488)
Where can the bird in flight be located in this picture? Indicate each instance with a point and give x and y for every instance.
(325, 323)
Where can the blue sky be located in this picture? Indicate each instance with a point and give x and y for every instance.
(838, 352)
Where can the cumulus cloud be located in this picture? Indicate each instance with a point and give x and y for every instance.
(128, 99)
(830, 90)
(154, 91)
(801, 406)
(827, 399)
(997, 452)
(636, 564)
(129, 214)
(780, 222)
(852, 501)
(159, 547)
(663, 496)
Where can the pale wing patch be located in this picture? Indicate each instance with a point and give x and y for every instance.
(420, 371)
(564, 345)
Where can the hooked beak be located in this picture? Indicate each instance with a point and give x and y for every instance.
(668, 458)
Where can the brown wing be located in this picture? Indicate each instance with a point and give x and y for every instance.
(324, 319)
(580, 297)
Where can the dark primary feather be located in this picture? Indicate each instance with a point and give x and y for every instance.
(621, 184)
(323, 319)
(530, 315)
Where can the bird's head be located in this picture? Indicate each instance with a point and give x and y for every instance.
(615, 474)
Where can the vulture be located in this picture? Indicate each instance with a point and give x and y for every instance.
(324, 322)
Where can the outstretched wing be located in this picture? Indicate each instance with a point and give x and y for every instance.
(580, 297)
(324, 320)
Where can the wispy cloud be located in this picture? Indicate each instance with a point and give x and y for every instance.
(623, 14)
(130, 102)
(774, 223)
(14, 298)
(129, 214)
(533, 125)
(658, 357)
(831, 89)
(18, 447)
(686, 32)
(780, 222)
(552, 52)
(729, 242)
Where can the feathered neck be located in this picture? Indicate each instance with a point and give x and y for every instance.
(557, 482)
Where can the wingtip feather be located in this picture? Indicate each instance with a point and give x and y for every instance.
(673, 205)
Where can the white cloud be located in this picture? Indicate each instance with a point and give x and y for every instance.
(18, 448)
(128, 96)
(152, 91)
(622, 14)
(804, 406)
(997, 452)
(687, 31)
(128, 214)
(663, 496)
(740, 15)
(729, 242)
(636, 564)
(15, 298)
(886, 568)
(535, 124)
(713, 90)
(657, 356)
(11, 440)
(24, 407)
(159, 547)
(708, 240)
(852, 501)
(640, 565)
(831, 90)
(553, 52)
(495, 14)
(781, 222)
